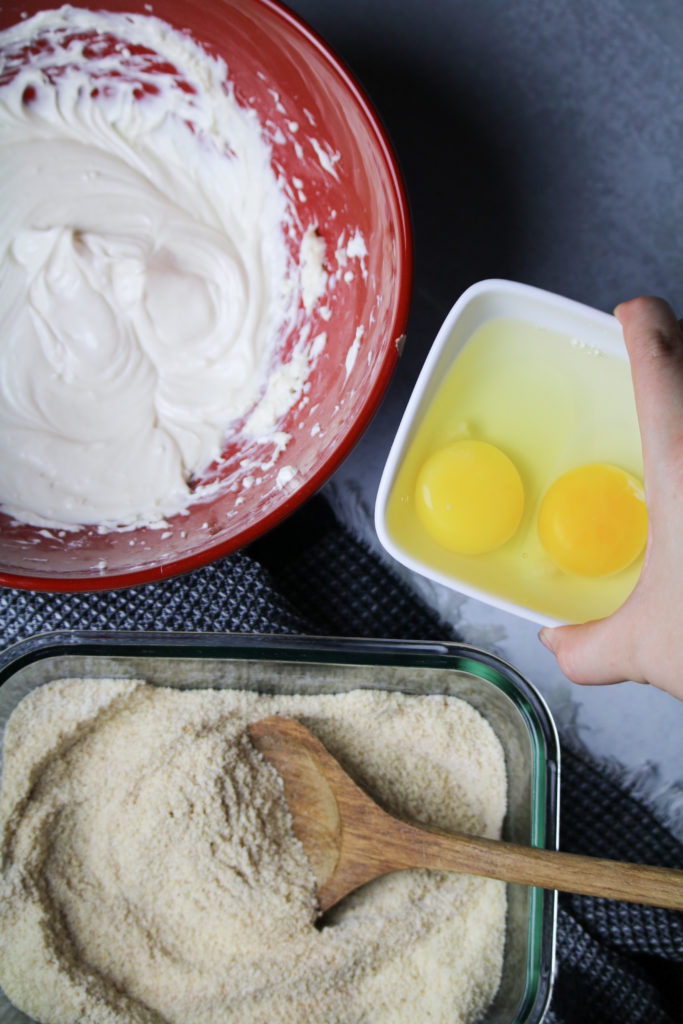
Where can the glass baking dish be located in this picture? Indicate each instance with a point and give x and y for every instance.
(283, 664)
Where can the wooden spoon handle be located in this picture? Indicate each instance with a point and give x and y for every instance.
(567, 872)
(350, 840)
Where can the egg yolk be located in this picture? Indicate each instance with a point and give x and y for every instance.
(593, 520)
(469, 497)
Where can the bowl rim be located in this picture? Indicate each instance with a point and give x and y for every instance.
(606, 324)
(79, 582)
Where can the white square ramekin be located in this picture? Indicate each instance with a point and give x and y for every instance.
(479, 303)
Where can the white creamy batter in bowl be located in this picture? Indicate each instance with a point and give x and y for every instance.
(200, 297)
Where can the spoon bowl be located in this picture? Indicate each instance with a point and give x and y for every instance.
(350, 840)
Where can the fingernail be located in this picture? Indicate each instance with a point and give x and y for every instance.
(547, 638)
(615, 311)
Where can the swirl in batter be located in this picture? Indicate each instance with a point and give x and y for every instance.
(144, 274)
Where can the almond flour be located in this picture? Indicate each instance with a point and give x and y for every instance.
(150, 874)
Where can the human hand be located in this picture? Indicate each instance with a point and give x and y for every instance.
(643, 639)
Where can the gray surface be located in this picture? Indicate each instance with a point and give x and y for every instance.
(539, 141)
(542, 142)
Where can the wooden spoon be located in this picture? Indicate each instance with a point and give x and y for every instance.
(349, 840)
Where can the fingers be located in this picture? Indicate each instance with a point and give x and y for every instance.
(595, 652)
(654, 340)
(642, 640)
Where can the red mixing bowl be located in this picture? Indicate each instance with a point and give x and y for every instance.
(282, 69)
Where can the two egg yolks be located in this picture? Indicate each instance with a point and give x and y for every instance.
(592, 520)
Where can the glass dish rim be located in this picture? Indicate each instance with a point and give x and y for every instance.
(448, 654)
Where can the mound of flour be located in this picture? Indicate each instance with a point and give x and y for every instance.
(149, 870)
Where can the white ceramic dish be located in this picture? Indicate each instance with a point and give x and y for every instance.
(481, 302)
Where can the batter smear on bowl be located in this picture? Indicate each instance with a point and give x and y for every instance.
(147, 280)
(150, 873)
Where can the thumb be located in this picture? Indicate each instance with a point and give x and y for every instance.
(594, 652)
